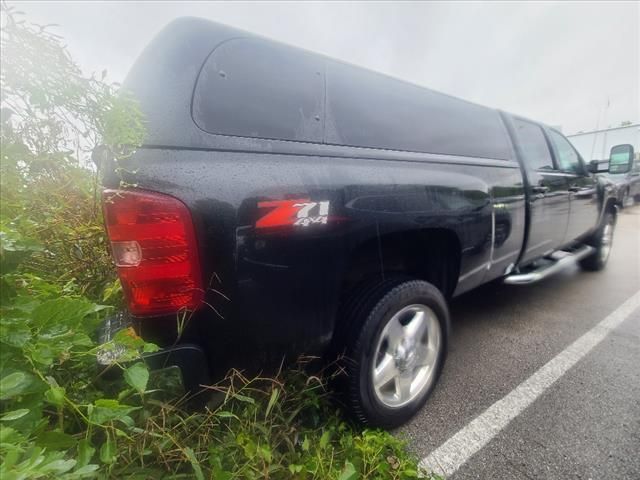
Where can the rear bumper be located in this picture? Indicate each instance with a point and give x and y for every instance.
(189, 358)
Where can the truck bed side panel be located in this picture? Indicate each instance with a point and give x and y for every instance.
(281, 286)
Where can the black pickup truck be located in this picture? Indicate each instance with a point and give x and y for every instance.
(286, 203)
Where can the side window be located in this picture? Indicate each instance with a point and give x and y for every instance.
(534, 145)
(368, 109)
(252, 88)
(568, 159)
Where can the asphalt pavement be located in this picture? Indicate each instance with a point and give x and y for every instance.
(582, 424)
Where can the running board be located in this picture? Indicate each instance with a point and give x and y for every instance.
(555, 262)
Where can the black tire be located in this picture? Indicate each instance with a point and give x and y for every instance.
(602, 242)
(369, 313)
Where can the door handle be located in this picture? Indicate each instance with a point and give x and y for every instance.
(541, 189)
(574, 188)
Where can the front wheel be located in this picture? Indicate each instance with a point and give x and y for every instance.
(396, 352)
(602, 243)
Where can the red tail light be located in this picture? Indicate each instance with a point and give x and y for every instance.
(154, 246)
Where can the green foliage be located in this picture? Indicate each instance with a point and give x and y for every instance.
(52, 117)
(58, 416)
(278, 428)
(137, 376)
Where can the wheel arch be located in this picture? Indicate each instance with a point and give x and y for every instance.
(430, 254)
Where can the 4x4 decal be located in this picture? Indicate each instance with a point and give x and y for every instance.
(301, 212)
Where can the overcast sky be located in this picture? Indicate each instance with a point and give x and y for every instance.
(560, 63)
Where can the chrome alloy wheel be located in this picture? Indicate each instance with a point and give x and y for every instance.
(406, 356)
(607, 239)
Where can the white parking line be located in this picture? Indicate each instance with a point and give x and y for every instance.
(455, 452)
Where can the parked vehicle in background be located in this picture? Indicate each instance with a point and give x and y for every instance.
(288, 203)
(626, 177)
(623, 175)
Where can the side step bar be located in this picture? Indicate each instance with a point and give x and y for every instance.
(555, 262)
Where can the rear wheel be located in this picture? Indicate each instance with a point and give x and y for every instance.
(602, 243)
(395, 351)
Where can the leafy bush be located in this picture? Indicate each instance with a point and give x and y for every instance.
(59, 415)
(52, 116)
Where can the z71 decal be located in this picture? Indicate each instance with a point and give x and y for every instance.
(301, 213)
